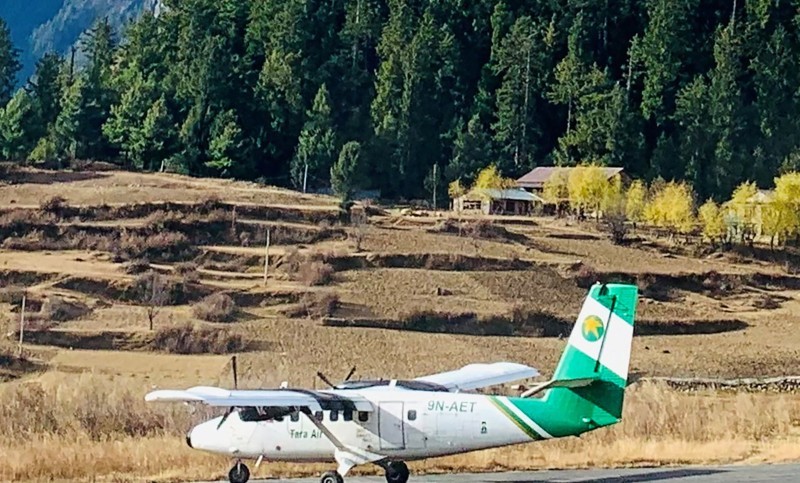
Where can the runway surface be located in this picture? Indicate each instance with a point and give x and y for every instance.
(700, 474)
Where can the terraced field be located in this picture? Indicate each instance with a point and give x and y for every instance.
(399, 295)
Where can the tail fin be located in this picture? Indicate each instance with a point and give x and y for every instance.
(598, 351)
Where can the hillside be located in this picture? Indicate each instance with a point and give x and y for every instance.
(392, 294)
(56, 25)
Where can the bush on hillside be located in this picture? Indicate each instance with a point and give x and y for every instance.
(218, 307)
(190, 339)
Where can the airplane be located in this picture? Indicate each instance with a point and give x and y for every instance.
(389, 422)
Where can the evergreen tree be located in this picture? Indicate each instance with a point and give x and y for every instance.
(98, 95)
(472, 151)
(9, 64)
(226, 147)
(16, 140)
(316, 146)
(523, 64)
(46, 90)
(345, 172)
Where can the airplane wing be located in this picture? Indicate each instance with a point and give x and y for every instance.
(474, 376)
(215, 396)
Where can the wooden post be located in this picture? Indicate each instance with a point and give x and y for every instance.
(21, 326)
(266, 259)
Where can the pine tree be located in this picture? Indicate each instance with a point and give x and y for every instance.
(345, 172)
(727, 116)
(16, 139)
(522, 63)
(46, 91)
(98, 95)
(472, 151)
(9, 64)
(316, 147)
(226, 146)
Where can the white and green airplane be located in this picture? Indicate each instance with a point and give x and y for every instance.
(388, 422)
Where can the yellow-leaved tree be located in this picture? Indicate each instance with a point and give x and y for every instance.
(672, 207)
(491, 178)
(587, 185)
(555, 187)
(712, 220)
(455, 189)
(782, 219)
(743, 205)
(635, 200)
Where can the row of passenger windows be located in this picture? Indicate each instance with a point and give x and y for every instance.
(347, 415)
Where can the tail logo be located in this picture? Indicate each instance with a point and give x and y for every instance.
(593, 328)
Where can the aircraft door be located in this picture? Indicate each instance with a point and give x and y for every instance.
(390, 425)
(414, 426)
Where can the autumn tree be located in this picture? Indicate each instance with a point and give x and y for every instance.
(635, 201)
(672, 207)
(712, 221)
(491, 178)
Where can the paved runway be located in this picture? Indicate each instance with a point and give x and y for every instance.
(700, 474)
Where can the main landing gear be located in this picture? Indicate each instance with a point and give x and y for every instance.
(240, 473)
(396, 472)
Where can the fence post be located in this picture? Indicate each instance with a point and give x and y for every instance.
(21, 325)
(266, 259)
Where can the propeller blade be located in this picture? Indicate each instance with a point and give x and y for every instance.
(325, 379)
(235, 374)
(225, 417)
(350, 374)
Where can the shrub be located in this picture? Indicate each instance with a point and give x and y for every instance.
(316, 306)
(218, 307)
(189, 339)
(315, 273)
(166, 246)
(59, 310)
(55, 205)
(189, 271)
(137, 266)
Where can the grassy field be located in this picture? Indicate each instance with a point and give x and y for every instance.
(339, 295)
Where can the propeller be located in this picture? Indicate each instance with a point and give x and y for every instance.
(332, 385)
(235, 386)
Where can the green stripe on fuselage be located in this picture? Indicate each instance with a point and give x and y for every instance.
(515, 419)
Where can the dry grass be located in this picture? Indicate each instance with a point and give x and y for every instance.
(190, 339)
(217, 307)
(93, 428)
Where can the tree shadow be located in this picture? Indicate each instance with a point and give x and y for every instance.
(51, 177)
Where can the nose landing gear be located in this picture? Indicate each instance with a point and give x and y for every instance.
(240, 473)
(331, 477)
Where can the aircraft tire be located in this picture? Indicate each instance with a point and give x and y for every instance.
(397, 472)
(331, 477)
(240, 473)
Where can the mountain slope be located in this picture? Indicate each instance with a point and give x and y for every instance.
(55, 25)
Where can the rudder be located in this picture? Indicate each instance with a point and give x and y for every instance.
(599, 347)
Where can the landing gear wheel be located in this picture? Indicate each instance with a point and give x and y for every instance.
(397, 472)
(331, 477)
(240, 473)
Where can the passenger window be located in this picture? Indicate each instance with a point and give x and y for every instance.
(334, 415)
(412, 415)
(348, 415)
(318, 415)
(295, 416)
(363, 416)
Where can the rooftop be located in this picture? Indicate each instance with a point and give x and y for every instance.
(538, 176)
(516, 194)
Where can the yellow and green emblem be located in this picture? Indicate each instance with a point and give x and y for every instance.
(593, 328)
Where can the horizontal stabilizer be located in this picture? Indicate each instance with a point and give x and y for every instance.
(474, 376)
(569, 383)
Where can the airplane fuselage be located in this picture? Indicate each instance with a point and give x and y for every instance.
(406, 425)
